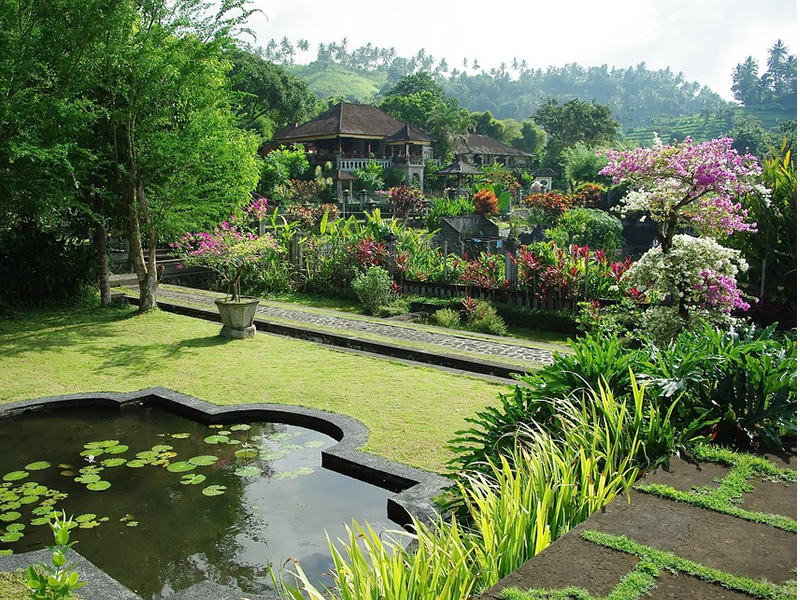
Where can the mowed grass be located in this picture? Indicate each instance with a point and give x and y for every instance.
(411, 411)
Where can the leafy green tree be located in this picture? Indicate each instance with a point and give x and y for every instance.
(582, 164)
(747, 85)
(572, 122)
(176, 156)
(268, 97)
(414, 98)
(279, 167)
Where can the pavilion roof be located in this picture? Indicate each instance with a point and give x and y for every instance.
(343, 120)
(483, 144)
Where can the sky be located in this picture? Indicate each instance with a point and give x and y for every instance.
(704, 39)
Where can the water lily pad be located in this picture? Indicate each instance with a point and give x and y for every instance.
(240, 427)
(91, 453)
(15, 527)
(304, 470)
(9, 496)
(67, 473)
(223, 432)
(85, 517)
(11, 537)
(214, 490)
(216, 439)
(128, 517)
(98, 486)
(65, 466)
(29, 499)
(180, 436)
(88, 478)
(246, 453)
(216, 426)
(247, 471)
(15, 475)
(136, 464)
(161, 448)
(233, 442)
(10, 506)
(118, 449)
(193, 479)
(89, 524)
(10, 516)
(34, 489)
(6, 552)
(113, 462)
(38, 465)
(101, 444)
(40, 521)
(284, 475)
(314, 444)
(180, 467)
(147, 455)
(133, 523)
(43, 510)
(204, 460)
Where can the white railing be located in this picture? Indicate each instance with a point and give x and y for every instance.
(351, 164)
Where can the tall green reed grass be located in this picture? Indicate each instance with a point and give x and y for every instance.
(552, 481)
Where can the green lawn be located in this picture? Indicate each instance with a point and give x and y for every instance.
(411, 411)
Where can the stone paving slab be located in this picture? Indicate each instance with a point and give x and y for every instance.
(712, 539)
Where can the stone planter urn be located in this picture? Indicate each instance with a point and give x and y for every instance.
(237, 317)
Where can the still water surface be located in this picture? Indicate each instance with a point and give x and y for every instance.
(159, 528)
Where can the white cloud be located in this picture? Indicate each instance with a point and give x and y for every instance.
(704, 39)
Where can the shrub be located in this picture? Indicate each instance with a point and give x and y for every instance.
(373, 289)
(589, 227)
(447, 317)
(406, 200)
(486, 203)
(742, 385)
(484, 319)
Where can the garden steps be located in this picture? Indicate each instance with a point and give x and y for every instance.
(720, 541)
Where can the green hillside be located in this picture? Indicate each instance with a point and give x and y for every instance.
(331, 79)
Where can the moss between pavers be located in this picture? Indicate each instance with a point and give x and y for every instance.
(727, 496)
(644, 579)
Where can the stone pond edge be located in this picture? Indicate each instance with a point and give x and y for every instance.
(414, 488)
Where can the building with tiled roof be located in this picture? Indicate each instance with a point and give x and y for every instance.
(350, 135)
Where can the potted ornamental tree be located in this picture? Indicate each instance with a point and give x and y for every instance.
(230, 251)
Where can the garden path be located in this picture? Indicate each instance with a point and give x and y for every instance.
(468, 351)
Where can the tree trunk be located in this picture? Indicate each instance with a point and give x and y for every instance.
(145, 268)
(103, 275)
(101, 247)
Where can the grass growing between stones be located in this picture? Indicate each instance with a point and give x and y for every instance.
(724, 497)
(644, 577)
(411, 411)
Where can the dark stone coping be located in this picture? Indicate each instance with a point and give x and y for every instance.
(468, 364)
(414, 488)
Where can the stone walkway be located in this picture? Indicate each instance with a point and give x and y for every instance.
(491, 347)
(727, 543)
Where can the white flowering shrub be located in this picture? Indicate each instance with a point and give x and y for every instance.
(695, 281)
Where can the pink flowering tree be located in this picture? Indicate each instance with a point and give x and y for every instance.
(697, 187)
(230, 251)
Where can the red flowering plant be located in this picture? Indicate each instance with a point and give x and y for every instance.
(230, 251)
(368, 253)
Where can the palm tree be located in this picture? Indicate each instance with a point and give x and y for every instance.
(302, 44)
(451, 125)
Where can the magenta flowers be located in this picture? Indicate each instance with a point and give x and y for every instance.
(687, 184)
(229, 251)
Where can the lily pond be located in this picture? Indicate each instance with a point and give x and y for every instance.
(163, 502)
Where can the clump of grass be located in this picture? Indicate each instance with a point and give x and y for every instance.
(512, 512)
